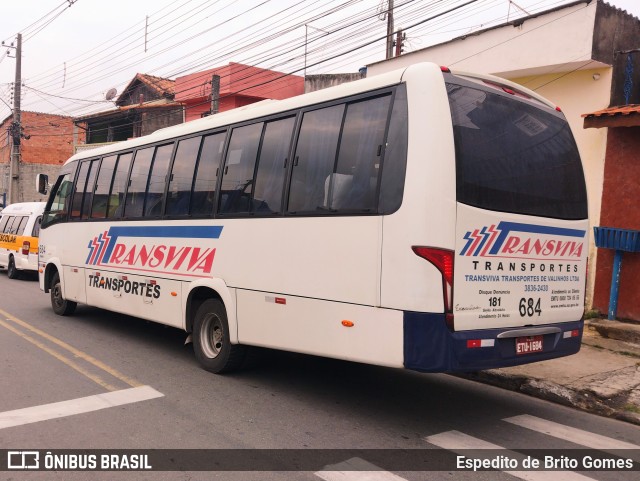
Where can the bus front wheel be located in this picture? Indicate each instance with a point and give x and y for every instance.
(211, 342)
(61, 306)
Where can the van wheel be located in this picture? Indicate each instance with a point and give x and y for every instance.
(12, 272)
(211, 343)
(60, 306)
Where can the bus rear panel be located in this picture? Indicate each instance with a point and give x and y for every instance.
(513, 286)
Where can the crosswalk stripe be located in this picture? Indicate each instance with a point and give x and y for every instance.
(456, 441)
(356, 469)
(577, 436)
(45, 412)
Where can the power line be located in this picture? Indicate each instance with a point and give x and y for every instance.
(254, 85)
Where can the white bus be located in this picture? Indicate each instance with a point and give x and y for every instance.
(423, 219)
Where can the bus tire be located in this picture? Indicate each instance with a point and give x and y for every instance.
(60, 305)
(12, 271)
(211, 343)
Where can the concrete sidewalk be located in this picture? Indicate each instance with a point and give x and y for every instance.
(603, 378)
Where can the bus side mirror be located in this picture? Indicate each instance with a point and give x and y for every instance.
(42, 183)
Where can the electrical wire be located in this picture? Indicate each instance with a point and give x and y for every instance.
(310, 53)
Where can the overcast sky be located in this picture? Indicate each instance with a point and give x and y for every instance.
(72, 55)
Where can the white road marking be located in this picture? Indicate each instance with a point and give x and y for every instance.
(82, 405)
(365, 471)
(456, 441)
(577, 436)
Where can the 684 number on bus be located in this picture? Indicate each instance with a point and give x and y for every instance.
(529, 307)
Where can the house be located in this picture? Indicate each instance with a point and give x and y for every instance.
(573, 55)
(619, 204)
(46, 144)
(144, 106)
(237, 84)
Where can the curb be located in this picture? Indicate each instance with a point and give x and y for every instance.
(621, 331)
(580, 399)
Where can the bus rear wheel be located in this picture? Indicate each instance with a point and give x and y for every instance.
(60, 305)
(12, 271)
(211, 341)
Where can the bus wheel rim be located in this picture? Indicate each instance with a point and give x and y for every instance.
(211, 336)
(57, 295)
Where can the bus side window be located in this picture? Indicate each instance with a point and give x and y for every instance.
(239, 167)
(270, 174)
(78, 190)
(138, 183)
(119, 187)
(204, 188)
(394, 165)
(58, 208)
(88, 191)
(314, 158)
(158, 181)
(355, 180)
(181, 179)
(103, 184)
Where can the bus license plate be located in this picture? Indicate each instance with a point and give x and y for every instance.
(528, 345)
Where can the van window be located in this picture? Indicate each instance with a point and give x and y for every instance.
(36, 227)
(20, 227)
(3, 223)
(7, 227)
(512, 156)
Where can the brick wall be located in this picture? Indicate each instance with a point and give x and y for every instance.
(51, 139)
(620, 209)
(49, 145)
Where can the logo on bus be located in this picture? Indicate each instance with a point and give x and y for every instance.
(155, 249)
(512, 239)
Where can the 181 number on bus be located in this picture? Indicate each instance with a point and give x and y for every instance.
(529, 307)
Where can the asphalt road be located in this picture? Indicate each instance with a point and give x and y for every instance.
(288, 401)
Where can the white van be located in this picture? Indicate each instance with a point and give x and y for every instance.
(19, 231)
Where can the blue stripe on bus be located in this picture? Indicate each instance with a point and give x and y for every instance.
(175, 232)
(507, 227)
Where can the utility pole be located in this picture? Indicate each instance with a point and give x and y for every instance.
(390, 30)
(16, 129)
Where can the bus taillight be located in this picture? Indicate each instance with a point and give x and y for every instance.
(442, 259)
(26, 246)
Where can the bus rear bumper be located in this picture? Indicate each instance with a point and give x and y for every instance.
(429, 346)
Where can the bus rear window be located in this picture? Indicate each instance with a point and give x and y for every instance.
(512, 156)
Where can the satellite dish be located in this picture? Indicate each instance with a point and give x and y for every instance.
(111, 94)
